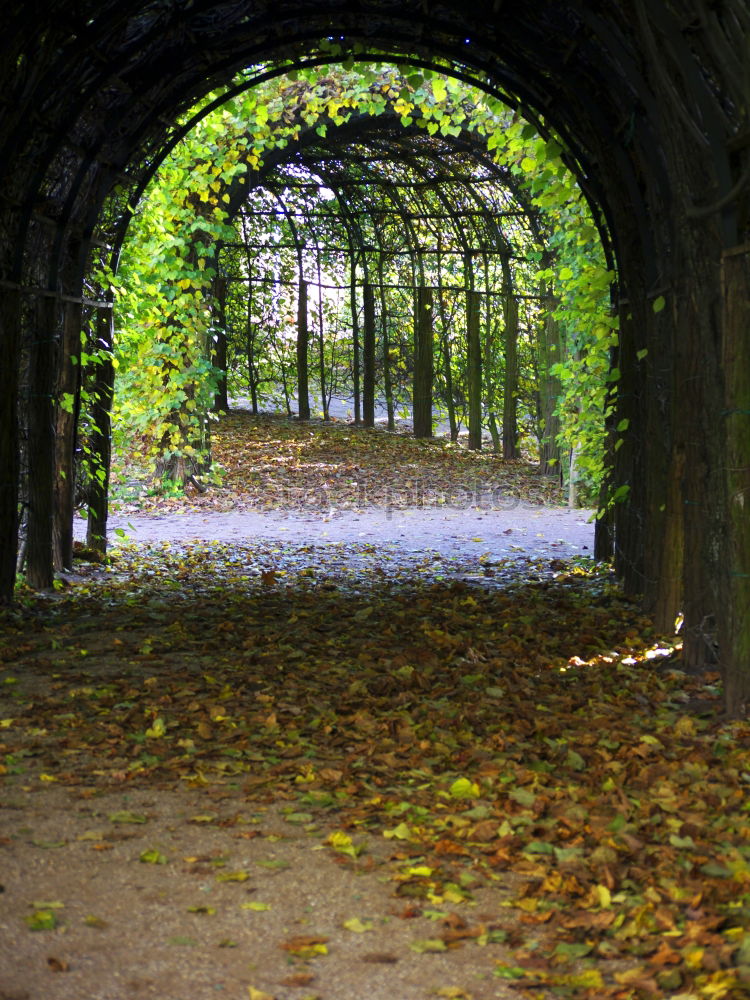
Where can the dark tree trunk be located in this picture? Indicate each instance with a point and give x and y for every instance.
(221, 399)
(445, 344)
(303, 336)
(368, 357)
(668, 597)
(10, 323)
(734, 617)
(423, 363)
(252, 371)
(630, 510)
(41, 444)
(450, 402)
(510, 401)
(65, 436)
(387, 380)
(474, 364)
(355, 340)
(324, 393)
(103, 379)
(700, 396)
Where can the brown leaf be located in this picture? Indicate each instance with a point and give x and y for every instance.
(298, 979)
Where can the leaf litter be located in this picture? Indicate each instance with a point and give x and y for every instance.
(270, 462)
(356, 770)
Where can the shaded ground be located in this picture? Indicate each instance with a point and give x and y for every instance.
(344, 769)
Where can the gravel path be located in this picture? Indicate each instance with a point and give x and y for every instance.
(519, 530)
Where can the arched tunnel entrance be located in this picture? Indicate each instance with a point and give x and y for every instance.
(399, 196)
(453, 722)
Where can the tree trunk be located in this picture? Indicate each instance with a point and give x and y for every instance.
(368, 357)
(41, 444)
(734, 616)
(489, 369)
(474, 364)
(10, 324)
(450, 402)
(101, 426)
(549, 353)
(669, 594)
(445, 344)
(355, 340)
(510, 401)
(303, 392)
(573, 479)
(324, 398)
(221, 400)
(631, 510)
(252, 373)
(65, 436)
(387, 380)
(700, 426)
(423, 364)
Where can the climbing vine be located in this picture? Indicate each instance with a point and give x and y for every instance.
(167, 312)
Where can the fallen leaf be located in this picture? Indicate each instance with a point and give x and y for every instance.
(358, 926)
(58, 964)
(127, 816)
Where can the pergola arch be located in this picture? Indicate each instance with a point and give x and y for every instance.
(391, 149)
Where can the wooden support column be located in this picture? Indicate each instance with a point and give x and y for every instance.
(221, 399)
(734, 616)
(41, 442)
(66, 415)
(423, 363)
(10, 337)
(473, 315)
(368, 357)
(101, 432)
(355, 338)
(303, 336)
(510, 394)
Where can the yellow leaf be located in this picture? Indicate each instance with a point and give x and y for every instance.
(256, 906)
(232, 877)
(157, 730)
(400, 832)
(605, 897)
(258, 994)
(694, 958)
(342, 843)
(589, 979)
(685, 726)
(419, 870)
(454, 895)
(630, 975)
(47, 777)
(357, 926)
(462, 788)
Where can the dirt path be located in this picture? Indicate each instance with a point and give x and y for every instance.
(116, 890)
